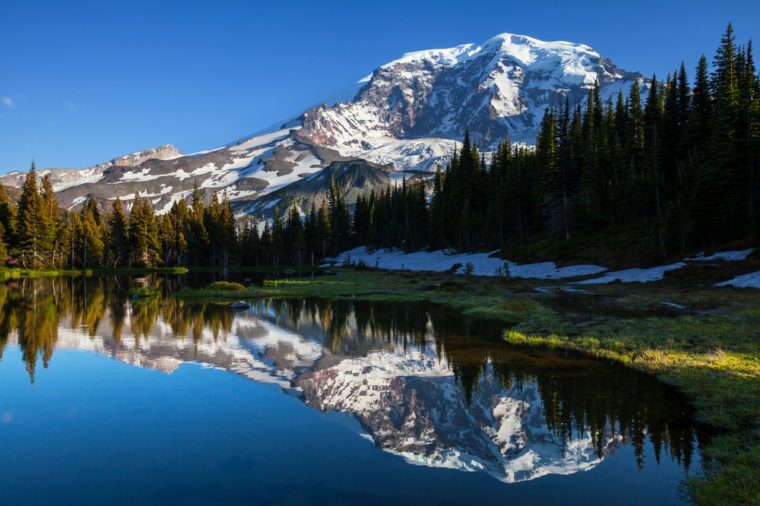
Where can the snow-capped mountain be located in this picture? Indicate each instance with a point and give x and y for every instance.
(406, 115)
(501, 87)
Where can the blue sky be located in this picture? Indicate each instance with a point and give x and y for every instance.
(83, 82)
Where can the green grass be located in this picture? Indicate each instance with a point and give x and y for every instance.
(226, 286)
(17, 273)
(710, 350)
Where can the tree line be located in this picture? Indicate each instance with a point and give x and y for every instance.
(35, 233)
(680, 169)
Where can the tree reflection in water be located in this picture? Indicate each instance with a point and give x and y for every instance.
(302, 344)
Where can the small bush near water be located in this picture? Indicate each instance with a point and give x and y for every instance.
(226, 286)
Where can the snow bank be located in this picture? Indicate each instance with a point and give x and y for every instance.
(751, 280)
(483, 263)
(634, 275)
(657, 273)
(486, 265)
(726, 256)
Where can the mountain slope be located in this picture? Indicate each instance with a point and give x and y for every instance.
(406, 116)
(353, 177)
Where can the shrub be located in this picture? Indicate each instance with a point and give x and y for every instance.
(226, 286)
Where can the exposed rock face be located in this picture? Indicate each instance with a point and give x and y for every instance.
(405, 116)
(354, 178)
(165, 152)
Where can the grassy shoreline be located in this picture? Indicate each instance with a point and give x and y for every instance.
(701, 339)
(19, 273)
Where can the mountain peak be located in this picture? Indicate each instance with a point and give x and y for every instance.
(509, 43)
(495, 89)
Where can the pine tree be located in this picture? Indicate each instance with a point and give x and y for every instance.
(31, 223)
(3, 249)
(550, 189)
(324, 227)
(339, 219)
(197, 234)
(725, 176)
(267, 245)
(652, 181)
(92, 232)
(228, 231)
(118, 243)
(311, 235)
(51, 224)
(144, 238)
(250, 243)
(8, 221)
(296, 240)
(278, 236)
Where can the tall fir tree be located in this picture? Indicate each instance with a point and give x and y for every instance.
(31, 223)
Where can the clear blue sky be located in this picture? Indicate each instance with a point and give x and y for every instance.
(83, 82)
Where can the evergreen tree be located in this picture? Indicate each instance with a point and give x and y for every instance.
(118, 237)
(31, 229)
(144, 238)
(51, 225)
(8, 222)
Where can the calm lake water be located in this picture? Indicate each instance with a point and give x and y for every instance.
(108, 400)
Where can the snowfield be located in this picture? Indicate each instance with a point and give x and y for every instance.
(634, 275)
(725, 256)
(751, 280)
(486, 264)
(483, 263)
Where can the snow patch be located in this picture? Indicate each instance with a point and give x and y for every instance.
(260, 140)
(725, 256)
(634, 275)
(78, 200)
(751, 280)
(484, 264)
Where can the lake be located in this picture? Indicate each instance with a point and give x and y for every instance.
(109, 400)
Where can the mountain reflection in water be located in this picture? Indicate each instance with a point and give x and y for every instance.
(423, 382)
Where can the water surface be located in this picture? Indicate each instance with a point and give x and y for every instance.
(108, 400)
